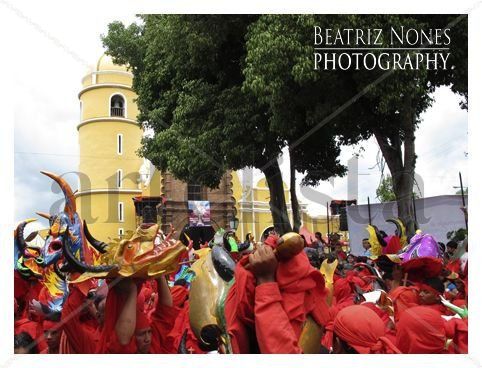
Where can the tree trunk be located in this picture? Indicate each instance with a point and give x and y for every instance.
(402, 168)
(277, 202)
(295, 206)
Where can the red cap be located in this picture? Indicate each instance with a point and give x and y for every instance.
(50, 325)
(142, 322)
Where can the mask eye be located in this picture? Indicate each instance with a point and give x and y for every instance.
(55, 246)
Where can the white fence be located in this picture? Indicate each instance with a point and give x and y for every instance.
(435, 215)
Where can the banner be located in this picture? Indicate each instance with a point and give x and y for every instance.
(199, 213)
(435, 215)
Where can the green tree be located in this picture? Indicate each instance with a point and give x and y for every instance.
(356, 103)
(385, 192)
(279, 72)
(188, 76)
(398, 102)
(246, 84)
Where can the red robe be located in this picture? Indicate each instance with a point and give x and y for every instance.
(33, 328)
(403, 297)
(420, 330)
(180, 326)
(457, 329)
(269, 317)
(83, 337)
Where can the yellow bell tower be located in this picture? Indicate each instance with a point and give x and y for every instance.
(109, 136)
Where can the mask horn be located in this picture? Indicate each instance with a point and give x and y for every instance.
(19, 236)
(97, 244)
(397, 224)
(79, 265)
(44, 215)
(69, 208)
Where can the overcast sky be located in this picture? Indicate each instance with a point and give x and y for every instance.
(54, 53)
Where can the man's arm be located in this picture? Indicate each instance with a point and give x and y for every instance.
(274, 332)
(274, 336)
(164, 293)
(126, 322)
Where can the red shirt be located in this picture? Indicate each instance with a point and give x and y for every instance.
(34, 329)
(182, 324)
(82, 337)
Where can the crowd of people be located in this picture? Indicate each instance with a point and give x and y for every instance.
(360, 304)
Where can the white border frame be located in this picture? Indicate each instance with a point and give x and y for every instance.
(474, 359)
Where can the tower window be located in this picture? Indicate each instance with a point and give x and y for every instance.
(117, 106)
(119, 178)
(121, 212)
(194, 192)
(119, 144)
(121, 233)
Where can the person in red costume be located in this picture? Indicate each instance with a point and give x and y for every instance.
(429, 294)
(127, 329)
(403, 297)
(452, 264)
(28, 323)
(342, 297)
(393, 246)
(457, 329)
(26, 320)
(82, 320)
(52, 331)
(270, 300)
(23, 343)
(25, 291)
(420, 330)
(180, 299)
(359, 330)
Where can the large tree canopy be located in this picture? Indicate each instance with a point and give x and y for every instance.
(224, 92)
(189, 74)
(356, 104)
(188, 77)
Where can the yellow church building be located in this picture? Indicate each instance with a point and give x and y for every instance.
(253, 212)
(112, 174)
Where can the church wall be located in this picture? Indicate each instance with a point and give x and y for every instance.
(100, 211)
(99, 158)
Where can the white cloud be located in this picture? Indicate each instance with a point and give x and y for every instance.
(52, 54)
